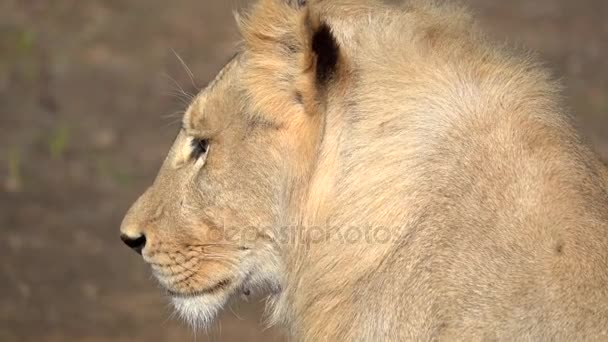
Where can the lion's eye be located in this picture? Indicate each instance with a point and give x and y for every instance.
(199, 148)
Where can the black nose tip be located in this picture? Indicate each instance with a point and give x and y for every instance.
(137, 243)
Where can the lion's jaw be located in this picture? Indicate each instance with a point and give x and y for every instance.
(259, 274)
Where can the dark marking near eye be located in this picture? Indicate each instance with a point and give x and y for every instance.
(261, 123)
(199, 147)
(326, 48)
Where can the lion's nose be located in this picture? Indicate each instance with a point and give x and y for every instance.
(137, 243)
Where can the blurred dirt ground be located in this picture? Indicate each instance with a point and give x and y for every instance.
(89, 105)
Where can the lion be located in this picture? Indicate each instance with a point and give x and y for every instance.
(381, 171)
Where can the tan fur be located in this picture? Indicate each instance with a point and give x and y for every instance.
(431, 189)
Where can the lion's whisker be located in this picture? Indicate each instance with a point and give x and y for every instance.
(188, 71)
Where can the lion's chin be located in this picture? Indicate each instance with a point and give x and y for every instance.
(199, 311)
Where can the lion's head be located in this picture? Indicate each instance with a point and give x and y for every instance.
(396, 120)
(208, 224)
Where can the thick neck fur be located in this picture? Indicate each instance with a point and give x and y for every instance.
(430, 146)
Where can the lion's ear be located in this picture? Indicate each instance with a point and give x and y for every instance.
(322, 61)
(292, 55)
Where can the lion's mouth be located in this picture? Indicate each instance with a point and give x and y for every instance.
(213, 289)
(218, 287)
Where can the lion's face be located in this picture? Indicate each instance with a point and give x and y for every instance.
(208, 218)
(238, 170)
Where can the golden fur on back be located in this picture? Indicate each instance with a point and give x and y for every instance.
(383, 172)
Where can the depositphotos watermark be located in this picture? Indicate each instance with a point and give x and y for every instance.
(295, 234)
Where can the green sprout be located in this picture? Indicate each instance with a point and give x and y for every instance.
(58, 142)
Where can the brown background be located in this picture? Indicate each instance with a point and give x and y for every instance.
(87, 93)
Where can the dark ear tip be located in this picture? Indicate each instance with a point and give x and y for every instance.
(326, 48)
